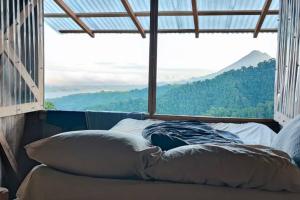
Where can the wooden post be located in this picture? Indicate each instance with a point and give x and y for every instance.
(153, 57)
(195, 15)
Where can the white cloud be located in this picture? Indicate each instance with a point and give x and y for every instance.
(123, 58)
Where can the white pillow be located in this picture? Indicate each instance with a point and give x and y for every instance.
(288, 139)
(133, 126)
(233, 165)
(94, 153)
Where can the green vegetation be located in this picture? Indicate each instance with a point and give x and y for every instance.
(49, 105)
(247, 92)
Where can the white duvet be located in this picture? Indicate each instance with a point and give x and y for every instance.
(234, 165)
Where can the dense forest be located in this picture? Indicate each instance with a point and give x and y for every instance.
(246, 92)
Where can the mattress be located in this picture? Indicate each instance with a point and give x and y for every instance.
(44, 183)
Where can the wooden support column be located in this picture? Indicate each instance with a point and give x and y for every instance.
(195, 15)
(77, 20)
(153, 57)
(134, 18)
(262, 17)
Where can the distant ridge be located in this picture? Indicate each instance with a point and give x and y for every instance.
(251, 59)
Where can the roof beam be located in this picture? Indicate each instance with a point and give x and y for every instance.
(262, 17)
(134, 18)
(195, 15)
(163, 13)
(177, 31)
(77, 20)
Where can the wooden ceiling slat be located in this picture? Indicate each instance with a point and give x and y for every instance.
(72, 15)
(177, 31)
(134, 18)
(262, 17)
(195, 16)
(163, 13)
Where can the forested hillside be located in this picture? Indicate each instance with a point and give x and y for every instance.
(247, 92)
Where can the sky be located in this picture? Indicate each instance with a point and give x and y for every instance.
(122, 59)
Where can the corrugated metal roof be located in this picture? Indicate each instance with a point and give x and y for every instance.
(228, 22)
(62, 24)
(110, 23)
(165, 22)
(164, 5)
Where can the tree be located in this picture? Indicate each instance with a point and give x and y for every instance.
(49, 106)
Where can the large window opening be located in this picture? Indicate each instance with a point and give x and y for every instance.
(220, 75)
(105, 73)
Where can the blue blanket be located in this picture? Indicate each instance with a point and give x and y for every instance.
(171, 134)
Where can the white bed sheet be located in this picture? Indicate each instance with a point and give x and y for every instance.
(249, 133)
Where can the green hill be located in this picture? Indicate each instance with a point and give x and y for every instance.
(246, 92)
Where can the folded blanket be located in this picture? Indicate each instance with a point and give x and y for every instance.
(171, 134)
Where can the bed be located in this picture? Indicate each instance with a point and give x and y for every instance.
(46, 183)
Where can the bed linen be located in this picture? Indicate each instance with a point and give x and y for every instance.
(288, 139)
(44, 183)
(171, 134)
(250, 133)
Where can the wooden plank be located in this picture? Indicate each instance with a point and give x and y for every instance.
(76, 19)
(210, 119)
(262, 17)
(177, 31)
(152, 84)
(163, 13)
(18, 109)
(271, 123)
(195, 16)
(41, 64)
(134, 18)
(8, 152)
(16, 61)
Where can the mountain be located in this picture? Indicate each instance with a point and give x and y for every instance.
(251, 59)
(239, 92)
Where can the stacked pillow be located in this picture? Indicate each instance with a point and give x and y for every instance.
(288, 139)
(96, 153)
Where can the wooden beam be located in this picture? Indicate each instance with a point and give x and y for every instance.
(134, 18)
(271, 123)
(175, 31)
(210, 119)
(163, 13)
(20, 108)
(16, 61)
(8, 152)
(195, 15)
(76, 19)
(262, 17)
(152, 80)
